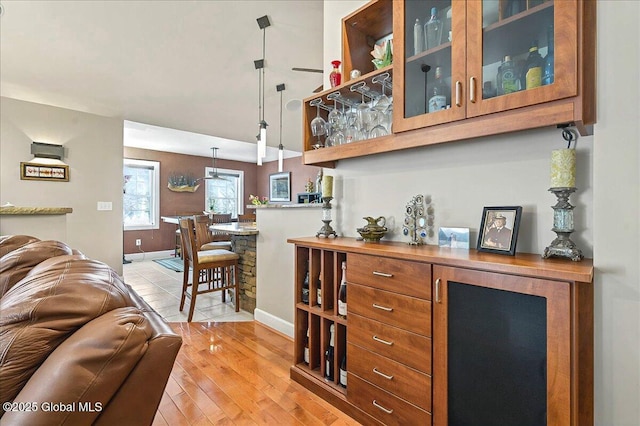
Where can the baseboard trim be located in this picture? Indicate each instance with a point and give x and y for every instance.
(137, 257)
(273, 322)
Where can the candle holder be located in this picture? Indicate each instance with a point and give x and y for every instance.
(326, 231)
(562, 246)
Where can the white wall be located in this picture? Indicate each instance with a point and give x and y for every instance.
(462, 177)
(93, 149)
(275, 262)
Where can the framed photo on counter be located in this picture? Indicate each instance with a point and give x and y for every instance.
(499, 229)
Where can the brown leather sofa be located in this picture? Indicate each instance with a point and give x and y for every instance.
(77, 345)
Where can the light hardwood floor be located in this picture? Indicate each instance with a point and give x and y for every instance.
(237, 373)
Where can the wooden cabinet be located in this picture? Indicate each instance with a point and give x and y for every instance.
(449, 336)
(481, 34)
(389, 338)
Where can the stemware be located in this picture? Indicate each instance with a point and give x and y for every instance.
(318, 128)
(335, 118)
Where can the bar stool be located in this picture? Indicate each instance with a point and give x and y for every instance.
(212, 270)
(205, 239)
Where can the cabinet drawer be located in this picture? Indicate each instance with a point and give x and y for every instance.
(399, 345)
(406, 312)
(385, 407)
(400, 276)
(396, 378)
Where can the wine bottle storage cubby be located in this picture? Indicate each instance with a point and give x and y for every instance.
(315, 318)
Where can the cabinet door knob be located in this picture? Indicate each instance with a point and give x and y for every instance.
(472, 90)
(380, 373)
(384, 308)
(382, 274)
(386, 410)
(458, 93)
(377, 339)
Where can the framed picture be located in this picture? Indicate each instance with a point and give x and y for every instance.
(50, 172)
(453, 237)
(499, 229)
(280, 186)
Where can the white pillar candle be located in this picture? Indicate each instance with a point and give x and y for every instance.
(563, 168)
(327, 186)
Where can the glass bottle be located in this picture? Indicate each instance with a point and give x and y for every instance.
(335, 78)
(532, 71)
(319, 291)
(549, 63)
(440, 93)
(305, 287)
(306, 348)
(328, 355)
(418, 37)
(432, 30)
(343, 371)
(507, 81)
(342, 294)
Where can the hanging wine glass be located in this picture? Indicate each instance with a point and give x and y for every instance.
(335, 118)
(318, 128)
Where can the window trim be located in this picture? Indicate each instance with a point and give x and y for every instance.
(155, 194)
(240, 174)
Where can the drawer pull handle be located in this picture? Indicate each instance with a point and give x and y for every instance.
(377, 339)
(384, 308)
(382, 274)
(438, 290)
(379, 373)
(386, 410)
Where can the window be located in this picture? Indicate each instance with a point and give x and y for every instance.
(141, 199)
(225, 195)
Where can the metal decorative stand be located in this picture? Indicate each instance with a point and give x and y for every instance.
(326, 231)
(417, 224)
(562, 246)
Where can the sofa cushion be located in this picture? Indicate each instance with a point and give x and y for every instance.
(44, 308)
(9, 243)
(19, 261)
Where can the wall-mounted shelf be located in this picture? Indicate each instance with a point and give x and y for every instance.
(34, 211)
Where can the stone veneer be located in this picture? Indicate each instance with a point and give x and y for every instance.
(245, 247)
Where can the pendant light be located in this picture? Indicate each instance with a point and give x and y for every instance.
(263, 23)
(280, 88)
(213, 174)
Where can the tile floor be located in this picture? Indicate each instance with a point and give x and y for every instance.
(160, 287)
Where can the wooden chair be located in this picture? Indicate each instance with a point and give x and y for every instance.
(177, 251)
(247, 217)
(210, 270)
(221, 218)
(205, 239)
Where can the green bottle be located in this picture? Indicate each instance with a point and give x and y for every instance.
(507, 81)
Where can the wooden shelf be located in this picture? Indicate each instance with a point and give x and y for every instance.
(34, 211)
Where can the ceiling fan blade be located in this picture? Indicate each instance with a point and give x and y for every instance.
(308, 70)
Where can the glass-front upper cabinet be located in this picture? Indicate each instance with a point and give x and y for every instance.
(460, 59)
(429, 62)
(520, 53)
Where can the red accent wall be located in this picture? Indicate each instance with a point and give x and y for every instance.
(256, 181)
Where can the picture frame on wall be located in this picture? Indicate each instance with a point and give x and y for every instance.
(499, 229)
(280, 187)
(49, 172)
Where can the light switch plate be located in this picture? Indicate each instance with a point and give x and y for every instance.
(105, 205)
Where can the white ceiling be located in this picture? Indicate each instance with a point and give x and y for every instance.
(183, 65)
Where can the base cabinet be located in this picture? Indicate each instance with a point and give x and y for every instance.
(433, 337)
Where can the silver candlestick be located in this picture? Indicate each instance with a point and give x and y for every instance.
(562, 246)
(326, 231)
